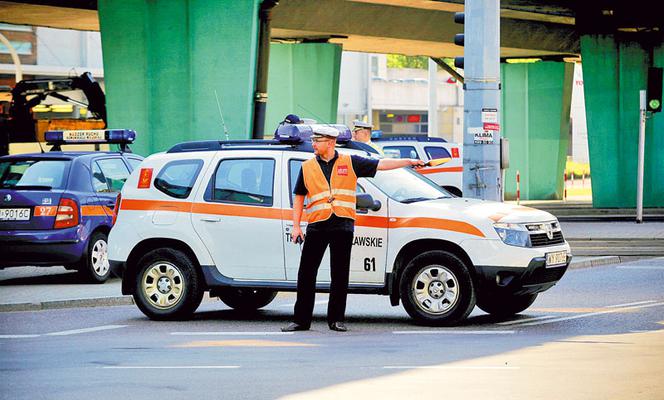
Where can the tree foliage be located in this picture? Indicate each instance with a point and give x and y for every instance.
(401, 61)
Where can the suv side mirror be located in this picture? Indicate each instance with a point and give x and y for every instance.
(364, 201)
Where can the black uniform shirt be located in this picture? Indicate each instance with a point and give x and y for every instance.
(363, 167)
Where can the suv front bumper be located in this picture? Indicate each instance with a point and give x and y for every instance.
(535, 278)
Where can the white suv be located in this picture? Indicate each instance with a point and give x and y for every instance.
(216, 216)
(449, 175)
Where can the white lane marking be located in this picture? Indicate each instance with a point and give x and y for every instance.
(231, 333)
(85, 330)
(293, 304)
(521, 321)
(631, 304)
(590, 314)
(661, 268)
(478, 367)
(453, 332)
(172, 367)
(17, 336)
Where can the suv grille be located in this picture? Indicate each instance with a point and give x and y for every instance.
(540, 239)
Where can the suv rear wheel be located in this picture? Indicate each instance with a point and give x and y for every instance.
(436, 289)
(168, 286)
(505, 305)
(247, 299)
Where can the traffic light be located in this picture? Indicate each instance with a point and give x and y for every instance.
(654, 92)
(459, 18)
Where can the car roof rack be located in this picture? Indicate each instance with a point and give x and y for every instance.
(258, 144)
(414, 137)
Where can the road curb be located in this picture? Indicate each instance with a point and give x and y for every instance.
(73, 303)
(595, 262)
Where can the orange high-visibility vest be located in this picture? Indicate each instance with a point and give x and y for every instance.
(338, 197)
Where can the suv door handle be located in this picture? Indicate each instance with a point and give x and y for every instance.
(211, 219)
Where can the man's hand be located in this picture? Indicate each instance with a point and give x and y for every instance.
(297, 233)
(417, 164)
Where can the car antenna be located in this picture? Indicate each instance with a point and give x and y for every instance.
(40, 147)
(314, 114)
(223, 124)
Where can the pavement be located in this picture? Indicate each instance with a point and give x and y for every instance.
(34, 288)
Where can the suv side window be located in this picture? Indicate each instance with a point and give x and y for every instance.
(177, 178)
(115, 174)
(246, 181)
(133, 162)
(294, 167)
(402, 151)
(437, 152)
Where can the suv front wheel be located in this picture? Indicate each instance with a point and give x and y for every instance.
(168, 286)
(436, 289)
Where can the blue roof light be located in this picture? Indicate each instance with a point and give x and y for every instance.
(299, 133)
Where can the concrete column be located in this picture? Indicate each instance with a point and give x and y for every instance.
(614, 71)
(537, 99)
(303, 80)
(163, 62)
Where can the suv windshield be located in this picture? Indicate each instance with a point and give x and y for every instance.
(407, 186)
(33, 174)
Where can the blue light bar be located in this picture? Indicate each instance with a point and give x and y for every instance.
(299, 133)
(117, 136)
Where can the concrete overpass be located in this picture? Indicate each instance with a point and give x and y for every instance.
(162, 73)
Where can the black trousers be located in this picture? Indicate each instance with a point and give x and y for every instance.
(314, 247)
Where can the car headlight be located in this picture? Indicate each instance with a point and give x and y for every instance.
(513, 234)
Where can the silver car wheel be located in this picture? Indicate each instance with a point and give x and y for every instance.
(435, 289)
(99, 258)
(163, 285)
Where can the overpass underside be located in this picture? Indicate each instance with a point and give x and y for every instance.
(167, 63)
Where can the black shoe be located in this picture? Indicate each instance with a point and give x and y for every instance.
(294, 327)
(337, 326)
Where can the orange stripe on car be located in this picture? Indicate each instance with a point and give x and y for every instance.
(93, 211)
(286, 214)
(436, 223)
(425, 171)
(237, 210)
(147, 205)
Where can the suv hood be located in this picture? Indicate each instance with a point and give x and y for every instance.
(490, 211)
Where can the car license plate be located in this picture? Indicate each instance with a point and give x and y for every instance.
(556, 258)
(14, 214)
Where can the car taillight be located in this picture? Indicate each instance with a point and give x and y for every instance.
(67, 215)
(116, 209)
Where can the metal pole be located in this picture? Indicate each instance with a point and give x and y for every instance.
(642, 139)
(262, 64)
(482, 177)
(433, 99)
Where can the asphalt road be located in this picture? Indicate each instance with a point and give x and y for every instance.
(598, 334)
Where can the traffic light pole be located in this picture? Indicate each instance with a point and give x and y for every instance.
(642, 139)
(482, 177)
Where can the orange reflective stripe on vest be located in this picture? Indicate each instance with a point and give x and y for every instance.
(325, 200)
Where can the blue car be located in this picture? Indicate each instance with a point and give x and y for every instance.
(56, 208)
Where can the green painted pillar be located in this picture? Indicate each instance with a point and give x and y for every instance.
(536, 101)
(164, 61)
(614, 71)
(303, 79)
